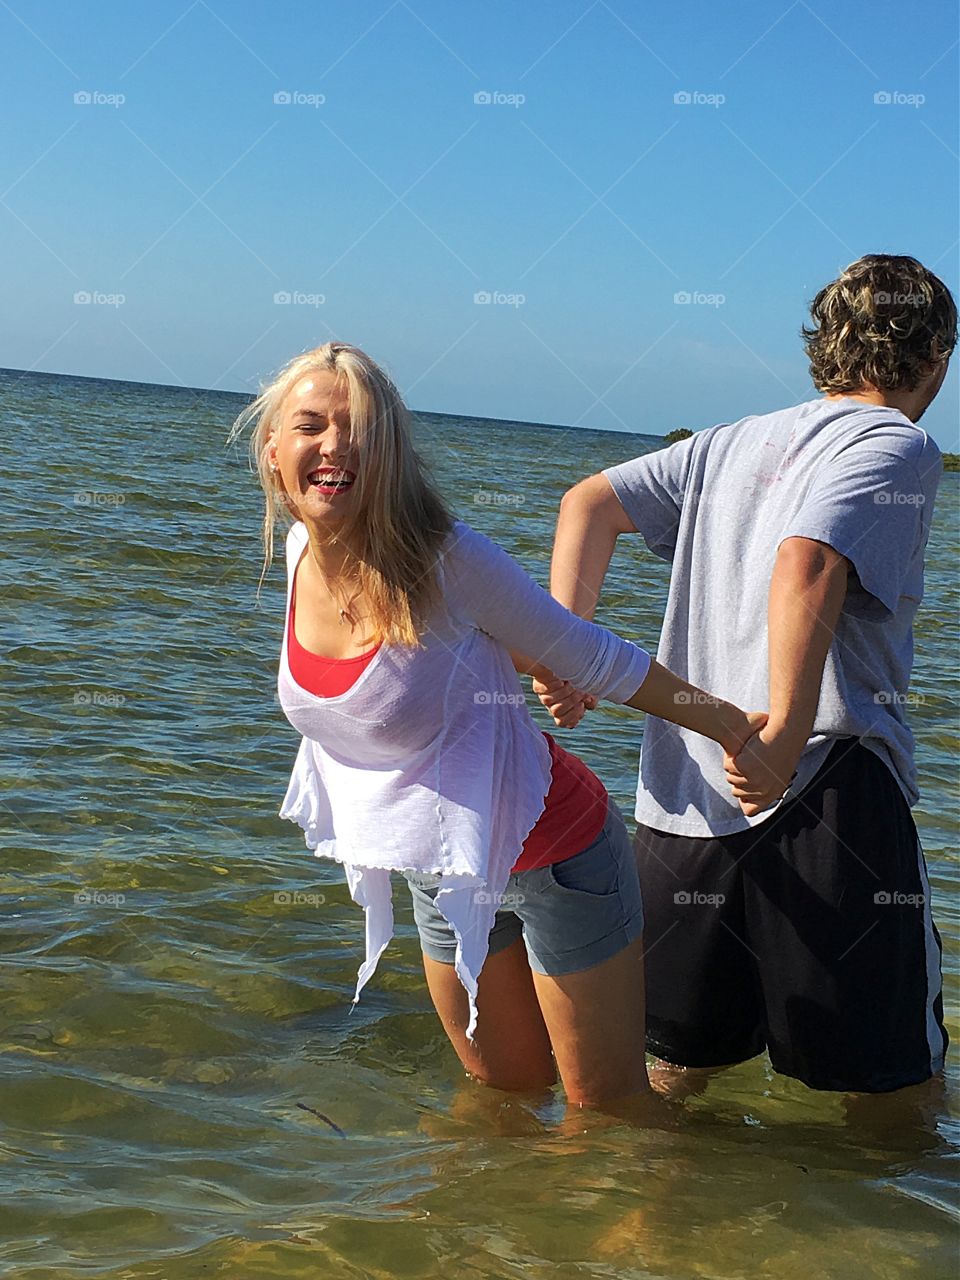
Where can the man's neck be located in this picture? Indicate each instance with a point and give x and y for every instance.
(905, 401)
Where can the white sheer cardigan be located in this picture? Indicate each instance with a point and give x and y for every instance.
(431, 761)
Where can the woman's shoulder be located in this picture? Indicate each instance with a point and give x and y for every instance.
(464, 543)
(465, 552)
(472, 567)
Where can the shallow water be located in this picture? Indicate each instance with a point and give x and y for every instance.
(158, 1037)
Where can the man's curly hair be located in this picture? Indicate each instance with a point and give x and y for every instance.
(886, 323)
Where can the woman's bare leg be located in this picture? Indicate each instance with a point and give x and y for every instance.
(511, 1048)
(595, 1019)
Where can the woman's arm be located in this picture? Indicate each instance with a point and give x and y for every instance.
(526, 666)
(665, 695)
(505, 602)
(565, 703)
(486, 587)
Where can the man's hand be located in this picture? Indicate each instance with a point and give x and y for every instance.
(762, 770)
(566, 704)
(736, 736)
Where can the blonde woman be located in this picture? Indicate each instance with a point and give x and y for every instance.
(404, 632)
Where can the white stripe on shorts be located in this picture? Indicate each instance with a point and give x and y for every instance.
(935, 1037)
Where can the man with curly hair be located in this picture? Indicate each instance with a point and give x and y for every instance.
(786, 895)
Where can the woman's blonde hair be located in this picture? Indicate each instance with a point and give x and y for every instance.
(887, 322)
(398, 519)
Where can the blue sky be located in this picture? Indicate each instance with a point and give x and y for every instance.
(381, 199)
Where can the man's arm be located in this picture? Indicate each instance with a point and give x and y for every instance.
(807, 592)
(591, 519)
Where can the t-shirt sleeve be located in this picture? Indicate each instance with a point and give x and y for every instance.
(869, 506)
(650, 489)
(485, 585)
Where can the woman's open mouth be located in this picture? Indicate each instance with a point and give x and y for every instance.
(329, 482)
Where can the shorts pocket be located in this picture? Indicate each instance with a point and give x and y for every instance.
(594, 871)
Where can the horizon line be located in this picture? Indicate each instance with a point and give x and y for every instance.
(182, 386)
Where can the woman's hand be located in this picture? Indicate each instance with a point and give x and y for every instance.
(743, 732)
(566, 704)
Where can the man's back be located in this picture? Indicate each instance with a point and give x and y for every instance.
(858, 477)
(797, 923)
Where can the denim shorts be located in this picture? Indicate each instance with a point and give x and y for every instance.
(571, 915)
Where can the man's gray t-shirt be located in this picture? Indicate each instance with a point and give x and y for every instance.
(860, 478)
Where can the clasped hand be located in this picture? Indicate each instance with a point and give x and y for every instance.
(566, 704)
(758, 774)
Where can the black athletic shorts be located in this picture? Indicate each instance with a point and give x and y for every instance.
(809, 935)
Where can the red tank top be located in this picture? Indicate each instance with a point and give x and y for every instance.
(575, 808)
